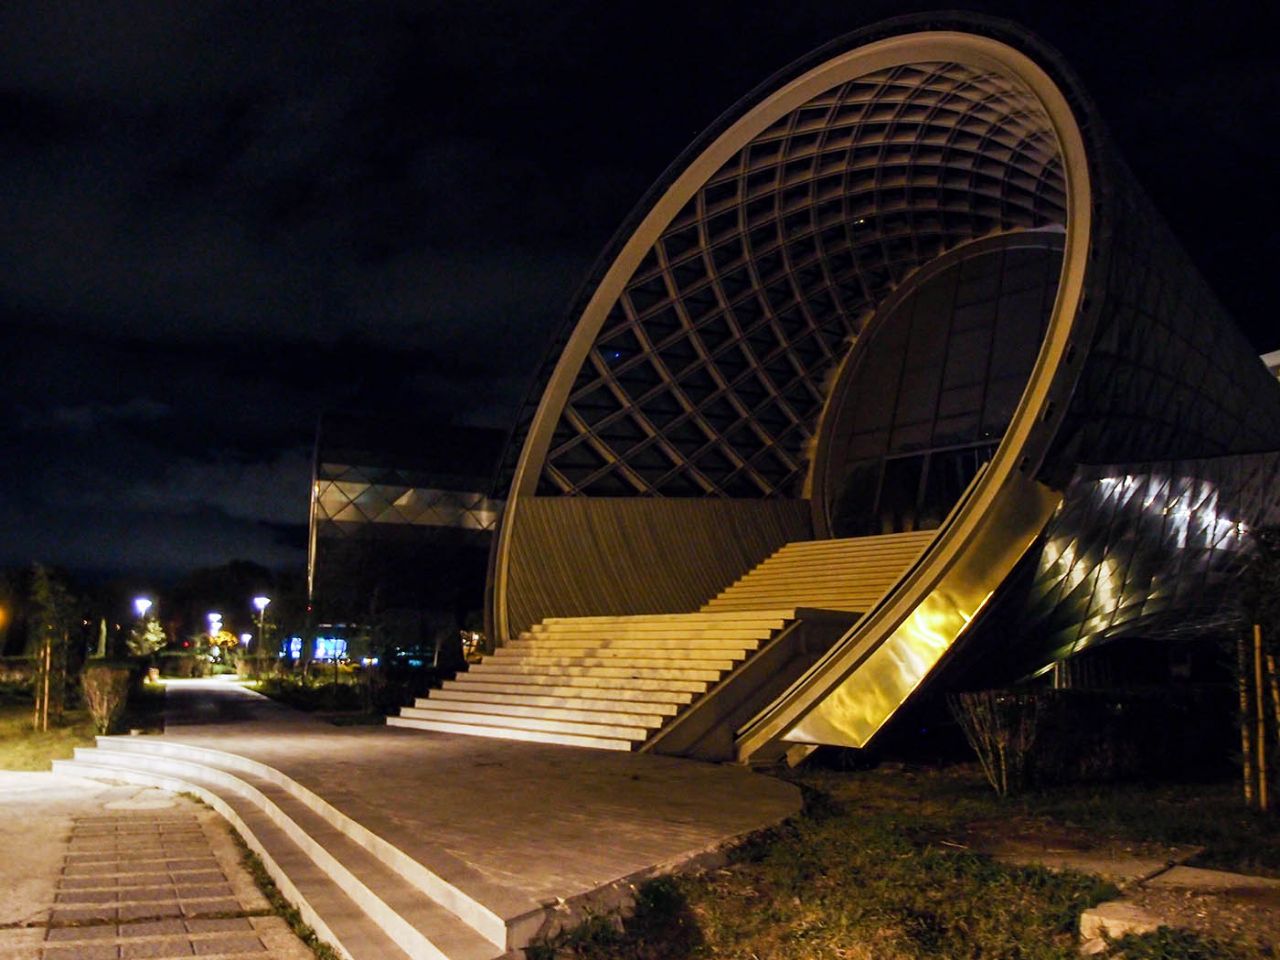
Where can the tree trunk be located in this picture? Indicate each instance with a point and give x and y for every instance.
(44, 700)
(1261, 716)
(1246, 736)
(1275, 693)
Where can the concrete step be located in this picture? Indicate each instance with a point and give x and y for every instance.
(811, 594)
(650, 708)
(865, 554)
(830, 574)
(593, 682)
(874, 541)
(516, 722)
(503, 668)
(918, 538)
(578, 712)
(586, 641)
(511, 733)
(350, 896)
(496, 925)
(617, 693)
(748, 630)
(626, 648)
(548, 661)
(846, 604)
(694, 616)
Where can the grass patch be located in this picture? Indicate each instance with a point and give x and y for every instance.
(22, 748)
(1166, 944)
(865, 873)
(282, 907)
(1209, 815)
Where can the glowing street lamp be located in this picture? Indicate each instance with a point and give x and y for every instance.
(261, 604)
(141, 605)
(215, 623)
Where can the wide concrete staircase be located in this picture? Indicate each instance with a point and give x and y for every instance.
(849, 574)
(614, 682)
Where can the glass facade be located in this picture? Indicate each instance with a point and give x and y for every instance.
(934, 382)
(711, 368)
(1147, 549)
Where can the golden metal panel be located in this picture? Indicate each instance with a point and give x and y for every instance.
(889, 661)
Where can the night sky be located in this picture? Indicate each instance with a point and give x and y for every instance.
(222, 218)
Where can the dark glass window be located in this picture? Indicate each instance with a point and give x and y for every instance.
(939, 378)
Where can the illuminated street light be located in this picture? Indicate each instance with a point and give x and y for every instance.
(261, 604)
(215, 623)
(141, 605)
(245, 638)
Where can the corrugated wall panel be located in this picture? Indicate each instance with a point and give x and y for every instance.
(590, 556)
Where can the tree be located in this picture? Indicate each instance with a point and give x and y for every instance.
(1260, 606)
(146, 637)
(50, 623)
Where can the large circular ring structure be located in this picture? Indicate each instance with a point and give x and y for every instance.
(713, 396)
(697, 363)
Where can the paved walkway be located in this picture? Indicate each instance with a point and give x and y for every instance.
(91, 872)
(498, 818)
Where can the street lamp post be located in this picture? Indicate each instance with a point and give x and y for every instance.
(141, 606)
(261, 604)
(215, 628)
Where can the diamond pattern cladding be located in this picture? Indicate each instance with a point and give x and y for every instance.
(347, 496)
(712, 367)
(1153, 549)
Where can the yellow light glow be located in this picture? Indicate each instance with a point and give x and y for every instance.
(879, 681)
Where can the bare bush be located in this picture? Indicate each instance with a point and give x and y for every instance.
(106, 689)
(1001, 728)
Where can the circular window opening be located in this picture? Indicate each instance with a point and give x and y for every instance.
(929, 390)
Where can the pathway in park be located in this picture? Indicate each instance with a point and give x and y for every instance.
(540, 820)
(397, 842)
(97, 872)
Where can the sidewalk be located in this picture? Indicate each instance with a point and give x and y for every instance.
(539, 821)
(91, 872)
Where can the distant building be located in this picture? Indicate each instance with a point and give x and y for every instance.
(400, 528)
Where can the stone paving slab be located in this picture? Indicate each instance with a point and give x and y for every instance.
(98, 872)
(1212, 881)
(528, 822)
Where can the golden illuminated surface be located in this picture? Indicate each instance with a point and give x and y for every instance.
(886, 671)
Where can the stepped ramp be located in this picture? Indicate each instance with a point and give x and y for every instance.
(623, 682)
(434, 847)
(848, 574)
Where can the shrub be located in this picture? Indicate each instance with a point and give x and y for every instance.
(106, 689)
(1049, 737)
(1001, 727)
